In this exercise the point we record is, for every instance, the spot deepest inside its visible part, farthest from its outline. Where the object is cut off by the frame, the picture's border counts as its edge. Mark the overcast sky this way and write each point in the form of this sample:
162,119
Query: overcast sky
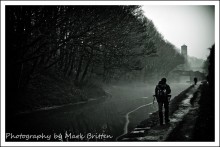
190,25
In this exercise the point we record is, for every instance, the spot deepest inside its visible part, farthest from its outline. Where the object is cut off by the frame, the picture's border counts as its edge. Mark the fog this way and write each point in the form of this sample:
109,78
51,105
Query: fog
124,108
193,25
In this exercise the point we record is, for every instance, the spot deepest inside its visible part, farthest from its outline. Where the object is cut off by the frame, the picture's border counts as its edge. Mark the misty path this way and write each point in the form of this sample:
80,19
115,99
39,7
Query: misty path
162,133
175,91
124,108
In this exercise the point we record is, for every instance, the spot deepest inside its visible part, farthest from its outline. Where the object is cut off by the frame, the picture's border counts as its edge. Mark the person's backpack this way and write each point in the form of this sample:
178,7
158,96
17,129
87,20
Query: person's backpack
161,92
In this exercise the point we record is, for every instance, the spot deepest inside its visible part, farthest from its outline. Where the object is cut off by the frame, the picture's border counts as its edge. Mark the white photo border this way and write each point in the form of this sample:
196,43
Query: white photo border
4,3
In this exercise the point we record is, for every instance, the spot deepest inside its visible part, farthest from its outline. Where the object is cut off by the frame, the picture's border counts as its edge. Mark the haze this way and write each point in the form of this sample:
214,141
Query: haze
190,25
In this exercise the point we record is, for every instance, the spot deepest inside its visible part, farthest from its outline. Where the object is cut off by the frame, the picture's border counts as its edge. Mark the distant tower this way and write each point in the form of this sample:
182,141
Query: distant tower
184,51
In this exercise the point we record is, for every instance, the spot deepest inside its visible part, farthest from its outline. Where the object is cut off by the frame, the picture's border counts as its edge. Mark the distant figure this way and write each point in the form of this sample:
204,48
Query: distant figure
195,81
162,92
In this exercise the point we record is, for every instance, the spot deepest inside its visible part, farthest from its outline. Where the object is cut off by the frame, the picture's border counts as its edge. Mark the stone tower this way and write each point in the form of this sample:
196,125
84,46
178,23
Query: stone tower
184,51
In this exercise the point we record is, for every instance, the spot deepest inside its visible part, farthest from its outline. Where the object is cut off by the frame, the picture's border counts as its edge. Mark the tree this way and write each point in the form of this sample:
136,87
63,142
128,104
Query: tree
74,40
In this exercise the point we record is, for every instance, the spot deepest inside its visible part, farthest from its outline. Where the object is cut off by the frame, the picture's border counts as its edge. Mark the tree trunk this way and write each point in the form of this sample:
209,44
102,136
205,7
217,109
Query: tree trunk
78,70
86,68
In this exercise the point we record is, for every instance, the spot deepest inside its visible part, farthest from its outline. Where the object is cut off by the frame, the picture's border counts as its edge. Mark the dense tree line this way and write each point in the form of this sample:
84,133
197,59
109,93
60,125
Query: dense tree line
166,58
161,62
76,40
82,42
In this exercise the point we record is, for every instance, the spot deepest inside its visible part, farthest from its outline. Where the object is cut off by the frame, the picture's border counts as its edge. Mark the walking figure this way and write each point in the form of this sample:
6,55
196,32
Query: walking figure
162,94
195,81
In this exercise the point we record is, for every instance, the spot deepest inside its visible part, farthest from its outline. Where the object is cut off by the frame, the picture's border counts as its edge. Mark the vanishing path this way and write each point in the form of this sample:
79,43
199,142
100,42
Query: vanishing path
160,133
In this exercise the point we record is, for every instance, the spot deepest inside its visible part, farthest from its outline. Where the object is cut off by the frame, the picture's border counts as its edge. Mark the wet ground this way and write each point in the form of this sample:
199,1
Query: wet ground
182,119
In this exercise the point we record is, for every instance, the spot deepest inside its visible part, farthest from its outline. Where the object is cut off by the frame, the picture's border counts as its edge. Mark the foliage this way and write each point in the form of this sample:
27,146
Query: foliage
75,39
81,43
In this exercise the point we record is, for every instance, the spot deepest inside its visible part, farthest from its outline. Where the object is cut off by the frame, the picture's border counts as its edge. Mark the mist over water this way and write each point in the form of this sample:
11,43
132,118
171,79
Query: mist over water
125,102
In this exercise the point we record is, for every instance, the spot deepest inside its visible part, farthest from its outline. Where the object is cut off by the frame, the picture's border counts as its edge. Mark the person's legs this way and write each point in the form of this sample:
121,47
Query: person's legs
166,107
160,106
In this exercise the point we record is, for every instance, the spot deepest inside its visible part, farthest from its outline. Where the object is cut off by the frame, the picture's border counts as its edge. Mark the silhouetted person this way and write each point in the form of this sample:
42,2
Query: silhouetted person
195,81
162,92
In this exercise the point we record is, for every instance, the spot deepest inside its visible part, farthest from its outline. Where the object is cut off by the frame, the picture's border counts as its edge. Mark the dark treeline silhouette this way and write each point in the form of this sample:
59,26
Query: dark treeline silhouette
168,58
81,43
205,125
211,68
